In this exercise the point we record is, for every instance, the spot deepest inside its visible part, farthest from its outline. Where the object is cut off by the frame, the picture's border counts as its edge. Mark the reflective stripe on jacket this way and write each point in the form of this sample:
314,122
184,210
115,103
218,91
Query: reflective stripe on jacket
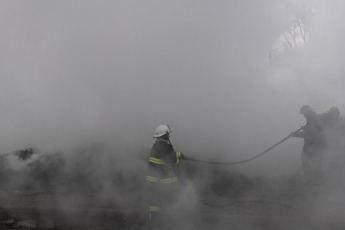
162,162
157,161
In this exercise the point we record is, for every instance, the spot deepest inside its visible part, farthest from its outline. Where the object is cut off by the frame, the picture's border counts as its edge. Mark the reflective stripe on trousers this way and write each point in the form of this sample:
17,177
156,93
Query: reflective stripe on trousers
155,208
162,181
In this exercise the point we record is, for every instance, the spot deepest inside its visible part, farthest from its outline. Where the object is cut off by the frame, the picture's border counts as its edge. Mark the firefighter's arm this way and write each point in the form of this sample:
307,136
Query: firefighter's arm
172,156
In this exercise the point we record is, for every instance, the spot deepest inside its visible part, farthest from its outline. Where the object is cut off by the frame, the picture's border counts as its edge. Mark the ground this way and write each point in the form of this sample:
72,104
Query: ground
44,193
235,202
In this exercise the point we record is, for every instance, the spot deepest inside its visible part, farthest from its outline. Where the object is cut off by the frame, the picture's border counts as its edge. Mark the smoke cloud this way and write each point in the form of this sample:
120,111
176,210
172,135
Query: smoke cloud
79,75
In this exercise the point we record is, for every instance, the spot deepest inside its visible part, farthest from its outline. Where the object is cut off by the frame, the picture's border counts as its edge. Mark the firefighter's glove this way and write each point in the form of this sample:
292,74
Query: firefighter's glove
183,157
293,134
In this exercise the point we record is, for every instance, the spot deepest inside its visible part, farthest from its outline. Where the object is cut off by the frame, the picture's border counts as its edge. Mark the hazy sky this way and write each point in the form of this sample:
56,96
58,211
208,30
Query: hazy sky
114,70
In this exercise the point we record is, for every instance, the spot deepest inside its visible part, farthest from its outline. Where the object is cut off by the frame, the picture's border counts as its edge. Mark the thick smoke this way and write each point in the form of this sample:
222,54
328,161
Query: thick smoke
88,82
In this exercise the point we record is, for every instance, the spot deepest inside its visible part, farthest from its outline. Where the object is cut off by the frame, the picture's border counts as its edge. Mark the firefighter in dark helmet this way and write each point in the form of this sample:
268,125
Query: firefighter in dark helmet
314,144
163,177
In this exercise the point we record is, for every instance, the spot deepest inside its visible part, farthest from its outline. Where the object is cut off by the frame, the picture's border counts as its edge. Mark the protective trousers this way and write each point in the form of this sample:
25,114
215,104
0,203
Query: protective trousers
161,192
312,165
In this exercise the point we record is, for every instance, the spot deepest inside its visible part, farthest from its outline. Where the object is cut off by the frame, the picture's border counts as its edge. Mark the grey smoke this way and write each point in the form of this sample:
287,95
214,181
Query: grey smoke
84,72
113,71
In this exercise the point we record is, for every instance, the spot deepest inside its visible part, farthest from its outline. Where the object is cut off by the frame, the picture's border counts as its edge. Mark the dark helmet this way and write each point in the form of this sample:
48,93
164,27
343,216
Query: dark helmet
306,109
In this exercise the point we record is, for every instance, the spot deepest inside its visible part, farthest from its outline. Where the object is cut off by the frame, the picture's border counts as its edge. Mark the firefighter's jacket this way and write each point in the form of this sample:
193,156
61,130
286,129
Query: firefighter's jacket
163,162
313,133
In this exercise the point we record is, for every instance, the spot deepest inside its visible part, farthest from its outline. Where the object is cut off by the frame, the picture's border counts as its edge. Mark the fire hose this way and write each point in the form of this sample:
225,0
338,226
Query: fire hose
247,160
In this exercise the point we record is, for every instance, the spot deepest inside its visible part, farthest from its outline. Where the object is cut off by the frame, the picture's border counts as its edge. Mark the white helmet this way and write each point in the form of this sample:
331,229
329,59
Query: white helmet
162,130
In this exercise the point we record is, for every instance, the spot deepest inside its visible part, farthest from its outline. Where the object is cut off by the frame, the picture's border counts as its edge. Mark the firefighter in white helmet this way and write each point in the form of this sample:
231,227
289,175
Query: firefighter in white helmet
162,178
